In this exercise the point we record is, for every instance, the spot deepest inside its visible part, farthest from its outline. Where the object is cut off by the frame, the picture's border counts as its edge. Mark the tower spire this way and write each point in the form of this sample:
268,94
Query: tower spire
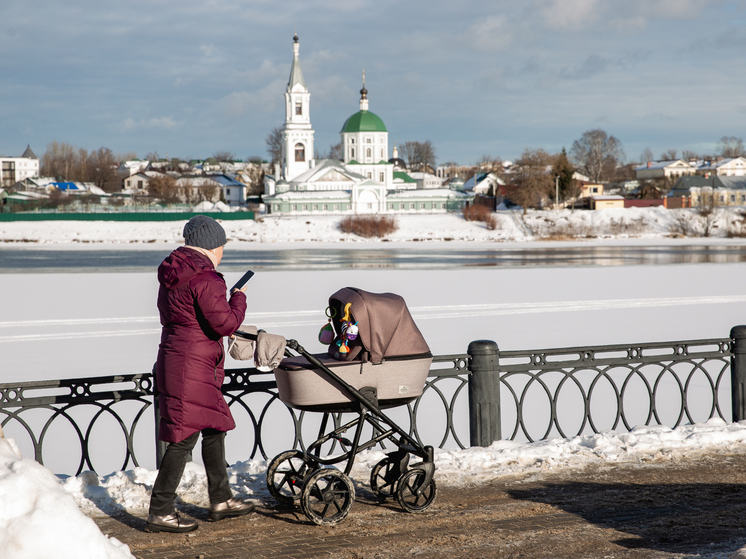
363,96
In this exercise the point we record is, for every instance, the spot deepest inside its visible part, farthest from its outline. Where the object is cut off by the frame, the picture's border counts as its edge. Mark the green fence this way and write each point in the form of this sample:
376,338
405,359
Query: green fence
121,216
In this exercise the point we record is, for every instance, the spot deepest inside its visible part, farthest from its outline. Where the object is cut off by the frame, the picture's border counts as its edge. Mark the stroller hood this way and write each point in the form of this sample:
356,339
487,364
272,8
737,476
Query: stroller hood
386,327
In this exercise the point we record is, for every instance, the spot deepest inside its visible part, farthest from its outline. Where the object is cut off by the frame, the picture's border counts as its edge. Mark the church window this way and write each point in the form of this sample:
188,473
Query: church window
381,153
369,175
369,154
391,206
380,177
370,205
305,207
368,141
352,153
300,152
352,140
411,205
326,207
298,108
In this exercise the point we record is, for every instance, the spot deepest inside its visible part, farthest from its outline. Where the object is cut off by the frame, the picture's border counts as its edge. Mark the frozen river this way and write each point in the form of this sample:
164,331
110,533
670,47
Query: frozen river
40,260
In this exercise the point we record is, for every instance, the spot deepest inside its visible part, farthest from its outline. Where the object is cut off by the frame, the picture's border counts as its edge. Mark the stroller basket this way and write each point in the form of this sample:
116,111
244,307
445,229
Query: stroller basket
390,355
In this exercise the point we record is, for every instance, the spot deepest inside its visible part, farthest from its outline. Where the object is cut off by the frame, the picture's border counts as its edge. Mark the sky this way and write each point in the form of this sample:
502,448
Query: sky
478,77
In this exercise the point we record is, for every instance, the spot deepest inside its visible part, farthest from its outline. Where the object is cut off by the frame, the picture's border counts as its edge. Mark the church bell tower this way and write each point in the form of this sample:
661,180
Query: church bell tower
297,134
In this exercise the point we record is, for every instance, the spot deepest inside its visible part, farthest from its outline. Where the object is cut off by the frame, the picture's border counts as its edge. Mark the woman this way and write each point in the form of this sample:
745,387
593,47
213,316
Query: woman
189,373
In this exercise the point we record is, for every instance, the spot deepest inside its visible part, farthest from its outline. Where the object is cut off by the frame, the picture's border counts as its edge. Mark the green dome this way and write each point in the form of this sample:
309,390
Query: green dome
364,121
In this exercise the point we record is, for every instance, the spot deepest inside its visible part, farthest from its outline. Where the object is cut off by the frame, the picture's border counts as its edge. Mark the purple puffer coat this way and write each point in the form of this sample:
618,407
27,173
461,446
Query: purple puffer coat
195,316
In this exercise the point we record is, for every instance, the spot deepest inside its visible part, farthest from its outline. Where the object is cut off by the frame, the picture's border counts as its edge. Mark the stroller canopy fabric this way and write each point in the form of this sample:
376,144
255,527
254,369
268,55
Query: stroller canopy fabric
386,327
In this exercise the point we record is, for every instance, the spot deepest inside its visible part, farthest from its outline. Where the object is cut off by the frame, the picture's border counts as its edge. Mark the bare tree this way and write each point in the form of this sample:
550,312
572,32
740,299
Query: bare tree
223,156
707,211
208,190
163,188
335,151
669,155
646,155
688,155
274,145
731,146
597,154
489,164
103,169
532,179
419,155
58,161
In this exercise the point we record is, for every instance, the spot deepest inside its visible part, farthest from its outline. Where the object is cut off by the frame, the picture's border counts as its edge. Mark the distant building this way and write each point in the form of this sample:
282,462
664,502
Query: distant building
664,169
16,169
364,181
732,167
716,190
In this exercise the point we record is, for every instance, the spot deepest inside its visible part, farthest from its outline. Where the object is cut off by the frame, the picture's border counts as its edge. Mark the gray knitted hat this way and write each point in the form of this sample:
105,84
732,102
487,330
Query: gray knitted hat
203,231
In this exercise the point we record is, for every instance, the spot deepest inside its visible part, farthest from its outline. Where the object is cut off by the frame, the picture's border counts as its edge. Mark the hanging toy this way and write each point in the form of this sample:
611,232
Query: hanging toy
326,334
343,331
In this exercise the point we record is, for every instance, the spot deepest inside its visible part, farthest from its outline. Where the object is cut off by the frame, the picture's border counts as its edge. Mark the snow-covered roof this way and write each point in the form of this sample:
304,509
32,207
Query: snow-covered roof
310,194
322,167
428,193
663,164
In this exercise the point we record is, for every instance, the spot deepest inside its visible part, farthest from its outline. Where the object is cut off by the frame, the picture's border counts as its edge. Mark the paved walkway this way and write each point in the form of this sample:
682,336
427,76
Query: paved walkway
663,509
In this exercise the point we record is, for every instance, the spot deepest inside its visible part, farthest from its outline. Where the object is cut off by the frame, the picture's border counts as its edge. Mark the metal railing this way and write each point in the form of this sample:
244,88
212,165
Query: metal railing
468,400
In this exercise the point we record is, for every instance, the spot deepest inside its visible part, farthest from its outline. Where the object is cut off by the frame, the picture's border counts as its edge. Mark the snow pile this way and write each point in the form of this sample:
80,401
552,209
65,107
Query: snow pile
644,223
130,491
39,519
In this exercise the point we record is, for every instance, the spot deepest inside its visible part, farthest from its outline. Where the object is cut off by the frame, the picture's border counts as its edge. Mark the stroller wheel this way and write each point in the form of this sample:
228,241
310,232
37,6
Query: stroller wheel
383,478
286,473
327,497
411,495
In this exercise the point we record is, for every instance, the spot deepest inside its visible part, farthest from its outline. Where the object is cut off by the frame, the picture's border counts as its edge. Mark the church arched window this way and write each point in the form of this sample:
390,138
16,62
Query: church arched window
352,153
368,153
300,152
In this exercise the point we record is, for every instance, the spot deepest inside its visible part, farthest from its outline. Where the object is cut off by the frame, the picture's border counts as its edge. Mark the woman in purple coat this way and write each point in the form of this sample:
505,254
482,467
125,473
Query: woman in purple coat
195,316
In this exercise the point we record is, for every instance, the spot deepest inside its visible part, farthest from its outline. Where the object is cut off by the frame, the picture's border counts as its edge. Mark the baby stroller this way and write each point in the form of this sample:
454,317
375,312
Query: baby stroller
385,366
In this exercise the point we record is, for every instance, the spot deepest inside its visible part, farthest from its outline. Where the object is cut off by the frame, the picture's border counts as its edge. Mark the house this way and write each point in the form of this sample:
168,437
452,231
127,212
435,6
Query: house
232,190
426,180
15,169
137,183
717,190
133,166
731,167
483,183
606,201
664,169
588,189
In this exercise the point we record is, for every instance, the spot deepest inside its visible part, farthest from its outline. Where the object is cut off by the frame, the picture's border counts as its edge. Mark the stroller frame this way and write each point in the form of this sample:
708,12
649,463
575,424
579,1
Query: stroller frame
326,494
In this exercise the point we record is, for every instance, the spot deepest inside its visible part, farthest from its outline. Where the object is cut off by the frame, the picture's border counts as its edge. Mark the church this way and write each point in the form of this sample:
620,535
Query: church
364,181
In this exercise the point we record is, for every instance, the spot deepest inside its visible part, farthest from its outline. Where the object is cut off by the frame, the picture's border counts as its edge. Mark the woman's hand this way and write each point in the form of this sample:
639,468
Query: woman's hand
242,290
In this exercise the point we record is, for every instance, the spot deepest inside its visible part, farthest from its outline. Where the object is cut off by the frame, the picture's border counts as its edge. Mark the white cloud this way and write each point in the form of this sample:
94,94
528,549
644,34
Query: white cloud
240,103
491,33
568,14
161,123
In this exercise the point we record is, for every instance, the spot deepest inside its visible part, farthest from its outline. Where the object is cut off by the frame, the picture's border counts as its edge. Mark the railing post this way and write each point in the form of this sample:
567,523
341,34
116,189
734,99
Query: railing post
160,446
484,393
738,373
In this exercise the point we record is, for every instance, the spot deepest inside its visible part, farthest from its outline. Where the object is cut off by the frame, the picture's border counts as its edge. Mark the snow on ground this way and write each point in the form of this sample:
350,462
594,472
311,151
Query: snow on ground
643,223
40,519
38,512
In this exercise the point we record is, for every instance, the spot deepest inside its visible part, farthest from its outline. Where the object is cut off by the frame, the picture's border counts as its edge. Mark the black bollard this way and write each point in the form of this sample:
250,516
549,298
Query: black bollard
484,393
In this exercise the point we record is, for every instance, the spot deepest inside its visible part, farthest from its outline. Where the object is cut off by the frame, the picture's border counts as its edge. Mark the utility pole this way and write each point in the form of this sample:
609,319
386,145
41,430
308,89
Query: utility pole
556,193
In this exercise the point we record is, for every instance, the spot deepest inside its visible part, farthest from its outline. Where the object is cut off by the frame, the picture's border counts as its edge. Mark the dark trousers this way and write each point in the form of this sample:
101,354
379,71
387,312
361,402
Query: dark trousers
172,468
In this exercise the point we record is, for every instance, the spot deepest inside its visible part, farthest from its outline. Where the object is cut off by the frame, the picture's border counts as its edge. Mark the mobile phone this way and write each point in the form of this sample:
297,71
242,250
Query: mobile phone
244,279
